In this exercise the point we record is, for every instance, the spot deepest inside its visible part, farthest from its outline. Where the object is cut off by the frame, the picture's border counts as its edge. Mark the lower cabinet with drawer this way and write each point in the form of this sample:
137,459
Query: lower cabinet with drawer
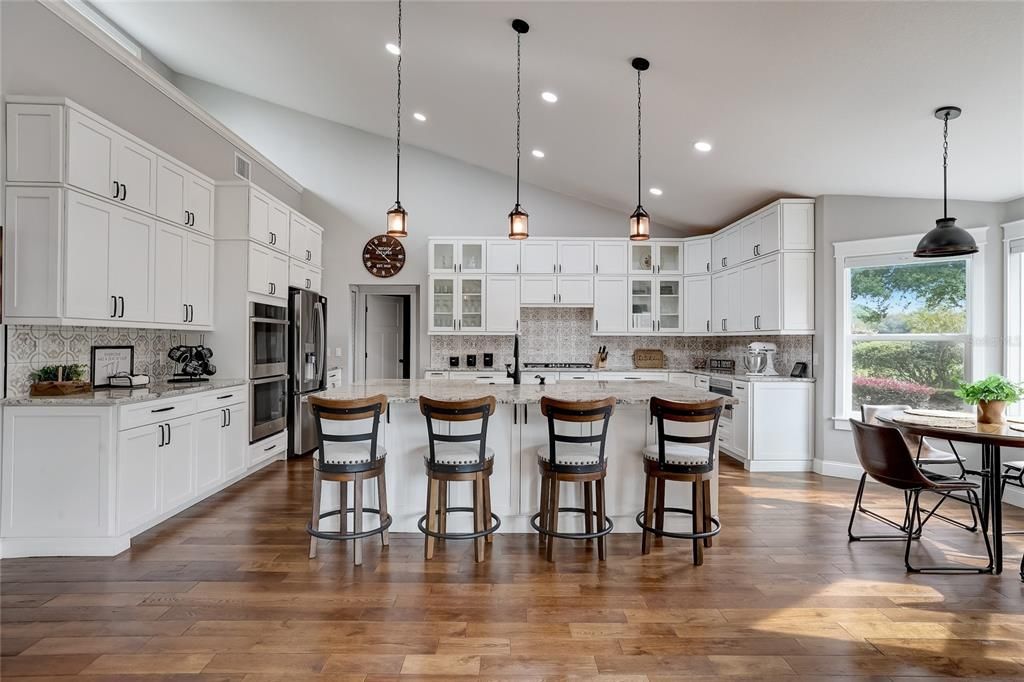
114,471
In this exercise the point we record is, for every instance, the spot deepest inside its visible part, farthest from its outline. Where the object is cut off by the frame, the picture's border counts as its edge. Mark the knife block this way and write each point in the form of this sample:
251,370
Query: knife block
600,363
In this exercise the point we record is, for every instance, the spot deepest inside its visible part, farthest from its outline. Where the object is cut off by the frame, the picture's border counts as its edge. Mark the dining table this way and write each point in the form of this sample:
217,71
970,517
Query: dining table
992,438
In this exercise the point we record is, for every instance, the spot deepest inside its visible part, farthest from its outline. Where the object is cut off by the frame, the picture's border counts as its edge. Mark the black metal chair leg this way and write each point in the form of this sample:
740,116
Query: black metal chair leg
915,522
858,508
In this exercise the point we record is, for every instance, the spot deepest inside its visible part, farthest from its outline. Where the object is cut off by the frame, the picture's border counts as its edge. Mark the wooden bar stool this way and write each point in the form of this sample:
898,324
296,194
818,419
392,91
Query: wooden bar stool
574,459
345,458
681,457
458,457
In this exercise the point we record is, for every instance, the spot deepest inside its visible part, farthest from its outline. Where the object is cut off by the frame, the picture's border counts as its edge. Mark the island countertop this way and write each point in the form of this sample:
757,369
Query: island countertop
401,391
104,397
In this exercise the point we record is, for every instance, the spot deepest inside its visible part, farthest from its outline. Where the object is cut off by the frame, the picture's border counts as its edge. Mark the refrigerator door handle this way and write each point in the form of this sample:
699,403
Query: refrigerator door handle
321,356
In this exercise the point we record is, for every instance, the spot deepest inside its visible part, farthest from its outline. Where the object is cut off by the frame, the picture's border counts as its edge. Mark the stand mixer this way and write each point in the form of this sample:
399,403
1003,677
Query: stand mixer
760,359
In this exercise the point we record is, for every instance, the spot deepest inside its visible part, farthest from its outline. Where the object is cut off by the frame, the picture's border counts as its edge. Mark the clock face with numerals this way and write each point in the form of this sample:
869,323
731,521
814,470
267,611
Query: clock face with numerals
383,256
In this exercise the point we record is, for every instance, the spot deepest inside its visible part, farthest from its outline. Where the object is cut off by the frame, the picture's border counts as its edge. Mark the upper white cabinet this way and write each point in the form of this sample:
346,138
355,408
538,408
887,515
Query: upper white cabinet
268,271
655,305
306,240
183,197
269,221
655,256
107,162
458,256
539,257
611,303
611,257
183,277
697,257
697,304
302,276
502,304
558,257
456,304
32,155
502,256
726,249
552,290
576,257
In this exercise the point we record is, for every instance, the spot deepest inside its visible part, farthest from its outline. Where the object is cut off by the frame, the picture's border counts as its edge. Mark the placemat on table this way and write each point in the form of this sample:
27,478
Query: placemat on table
1017,426
949,414
1015,420
937,422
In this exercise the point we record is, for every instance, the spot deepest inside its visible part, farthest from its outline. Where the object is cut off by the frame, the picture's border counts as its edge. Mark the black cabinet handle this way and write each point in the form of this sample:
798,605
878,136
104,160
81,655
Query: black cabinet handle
269,448
709,325
114,299
162,409
124,192
117,189
184,307
225,397
223,419
229,416
708,264
121,298
309,284
168,434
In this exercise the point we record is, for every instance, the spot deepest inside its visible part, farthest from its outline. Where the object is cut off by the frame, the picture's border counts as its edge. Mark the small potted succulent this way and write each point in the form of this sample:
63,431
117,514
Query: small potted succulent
57,380
991,396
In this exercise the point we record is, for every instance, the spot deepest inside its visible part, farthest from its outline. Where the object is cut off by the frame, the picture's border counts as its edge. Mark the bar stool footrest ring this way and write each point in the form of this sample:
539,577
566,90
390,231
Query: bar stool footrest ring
609,525
336,535
715,530
421,524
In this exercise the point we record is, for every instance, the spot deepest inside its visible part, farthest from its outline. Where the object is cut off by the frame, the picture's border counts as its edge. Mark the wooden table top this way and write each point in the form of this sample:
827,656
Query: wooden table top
993,434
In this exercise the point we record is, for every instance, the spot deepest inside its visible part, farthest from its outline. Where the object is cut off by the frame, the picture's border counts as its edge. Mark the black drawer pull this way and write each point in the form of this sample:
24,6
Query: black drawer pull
162,409
268,449
223,397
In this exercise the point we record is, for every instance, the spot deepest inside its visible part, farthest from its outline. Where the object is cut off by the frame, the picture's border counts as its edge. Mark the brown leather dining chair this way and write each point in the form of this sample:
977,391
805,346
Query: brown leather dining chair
885,457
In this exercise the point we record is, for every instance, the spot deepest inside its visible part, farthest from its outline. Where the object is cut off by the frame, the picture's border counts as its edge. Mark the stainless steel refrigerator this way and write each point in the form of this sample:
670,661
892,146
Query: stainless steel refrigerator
307,365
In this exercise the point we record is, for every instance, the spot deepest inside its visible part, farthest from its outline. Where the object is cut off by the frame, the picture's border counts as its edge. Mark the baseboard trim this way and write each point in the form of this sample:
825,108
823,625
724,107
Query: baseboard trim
837,469
11,548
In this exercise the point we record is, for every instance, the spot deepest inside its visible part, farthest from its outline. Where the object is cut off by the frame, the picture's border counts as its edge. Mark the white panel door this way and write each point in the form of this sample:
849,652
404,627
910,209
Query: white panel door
278,275
91,152
135,169
502,303
259,217
138,476
750,239
719,302
670,304
770,317
537,289
32,285
770,231
750,297
315,239
298,238
209,451
697,304
576,258
177,472
735,310
169,275
697,257
199,203
442,304
278,228
384,332
298,274
35,152
539,257
199,280
611,257
130,268
171,190
235,444
87,236
503,256
576,290
641,304
611,303
259,269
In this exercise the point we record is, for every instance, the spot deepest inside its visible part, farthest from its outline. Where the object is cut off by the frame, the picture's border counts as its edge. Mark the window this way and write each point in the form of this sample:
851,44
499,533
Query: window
905,325
1013,240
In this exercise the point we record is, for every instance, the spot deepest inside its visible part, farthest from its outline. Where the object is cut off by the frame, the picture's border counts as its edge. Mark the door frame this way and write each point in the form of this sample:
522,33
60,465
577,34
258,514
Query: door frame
357,332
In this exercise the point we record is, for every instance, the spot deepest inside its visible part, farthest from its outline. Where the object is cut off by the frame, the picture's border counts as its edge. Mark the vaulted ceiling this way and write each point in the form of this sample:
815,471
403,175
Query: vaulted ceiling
797,99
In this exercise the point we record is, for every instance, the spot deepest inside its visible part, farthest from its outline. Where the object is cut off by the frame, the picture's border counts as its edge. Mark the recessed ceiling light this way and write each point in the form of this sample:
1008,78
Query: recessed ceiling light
538,153
656,191
419,117
549,97
393,49
702,146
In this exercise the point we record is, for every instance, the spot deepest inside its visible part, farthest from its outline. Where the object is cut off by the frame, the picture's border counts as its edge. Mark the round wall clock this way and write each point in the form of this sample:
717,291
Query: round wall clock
383,256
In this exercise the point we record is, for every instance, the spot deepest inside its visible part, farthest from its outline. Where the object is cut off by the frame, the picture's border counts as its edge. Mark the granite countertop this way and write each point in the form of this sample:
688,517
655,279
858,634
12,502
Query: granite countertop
737,376
401,391
119,396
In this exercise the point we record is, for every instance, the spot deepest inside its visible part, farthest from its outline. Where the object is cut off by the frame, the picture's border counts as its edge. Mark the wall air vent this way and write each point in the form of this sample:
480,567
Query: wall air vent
243,167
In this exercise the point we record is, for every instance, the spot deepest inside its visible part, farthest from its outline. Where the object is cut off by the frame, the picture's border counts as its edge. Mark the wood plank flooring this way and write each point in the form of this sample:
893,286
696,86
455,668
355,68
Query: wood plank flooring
225,592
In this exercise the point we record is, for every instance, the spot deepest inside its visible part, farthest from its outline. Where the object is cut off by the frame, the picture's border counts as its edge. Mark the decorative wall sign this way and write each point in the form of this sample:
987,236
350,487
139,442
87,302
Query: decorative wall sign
106,361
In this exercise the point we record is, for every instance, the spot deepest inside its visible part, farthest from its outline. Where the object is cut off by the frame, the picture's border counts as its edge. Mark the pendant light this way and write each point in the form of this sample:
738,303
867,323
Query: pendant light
518,219
640,221
397,217
946,238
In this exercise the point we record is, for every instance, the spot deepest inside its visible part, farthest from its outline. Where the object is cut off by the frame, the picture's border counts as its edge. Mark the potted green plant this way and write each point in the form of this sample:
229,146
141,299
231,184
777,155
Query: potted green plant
991,396
57,380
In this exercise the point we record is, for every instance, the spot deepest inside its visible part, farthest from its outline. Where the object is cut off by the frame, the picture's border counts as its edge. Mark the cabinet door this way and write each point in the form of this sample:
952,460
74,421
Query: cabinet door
315,279
443,256
697,304
670,258
719,302
697,257
442,304
315,240
34,149
171,190
537,289
130,265
740,441
138,476
235,443
734,292
641,258
502,303
135,169
750,297
199,202
769,316
539,257
471,304
502,256
199,280
177,472
87,235
770,231
750,239
33,284
473,256
209,451
576,290
298,238
611,257
259,217
670,304
259,269
641,304
169,275
576,258
91,152
718,251
298,274
611,303
277,228
279,275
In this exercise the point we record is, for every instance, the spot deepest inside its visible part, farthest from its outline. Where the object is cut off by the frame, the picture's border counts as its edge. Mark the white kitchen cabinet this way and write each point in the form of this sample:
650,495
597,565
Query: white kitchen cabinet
458,256
32,155
443,304
697,304
268,271
268,220
568,257
641,305
697,256
108,163
199,285
302,276
177,465
33,272
130,267
576,257
538,289
770,231
726,301
550,290
611,304
682,378
655,305
669,309
575,291
471,304
502,303
611,257
655,257
234,440
539,257
457,304
138,476
633,376
199,203
772,427
726,248
740,440
135,170
305,240
169,274
209,460
183,197
502,256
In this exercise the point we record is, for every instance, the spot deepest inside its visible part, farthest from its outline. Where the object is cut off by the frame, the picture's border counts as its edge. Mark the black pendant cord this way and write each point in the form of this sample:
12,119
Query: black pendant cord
945,162
519,37
639,133
398,116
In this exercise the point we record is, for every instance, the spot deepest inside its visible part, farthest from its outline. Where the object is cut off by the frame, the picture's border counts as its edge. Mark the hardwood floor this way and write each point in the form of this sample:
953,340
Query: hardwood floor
225,592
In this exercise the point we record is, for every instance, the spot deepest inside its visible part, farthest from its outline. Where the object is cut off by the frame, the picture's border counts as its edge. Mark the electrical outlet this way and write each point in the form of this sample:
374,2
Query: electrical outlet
337,352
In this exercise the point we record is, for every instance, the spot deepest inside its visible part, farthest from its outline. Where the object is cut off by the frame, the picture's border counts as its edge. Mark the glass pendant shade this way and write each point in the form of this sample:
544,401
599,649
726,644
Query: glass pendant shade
639,225
946,239
518,223
397,219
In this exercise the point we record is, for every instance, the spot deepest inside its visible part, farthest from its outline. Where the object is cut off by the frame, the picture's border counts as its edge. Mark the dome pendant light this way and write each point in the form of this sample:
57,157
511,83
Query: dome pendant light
640,221
518,219
946,238
397,217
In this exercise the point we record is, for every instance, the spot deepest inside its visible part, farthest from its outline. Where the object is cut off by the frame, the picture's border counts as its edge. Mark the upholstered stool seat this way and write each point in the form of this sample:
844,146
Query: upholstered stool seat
456,454
678,454
571,454
348,453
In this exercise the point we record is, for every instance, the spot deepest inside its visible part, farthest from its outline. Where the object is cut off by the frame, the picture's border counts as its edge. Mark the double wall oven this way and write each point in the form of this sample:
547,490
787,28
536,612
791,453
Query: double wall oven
268,370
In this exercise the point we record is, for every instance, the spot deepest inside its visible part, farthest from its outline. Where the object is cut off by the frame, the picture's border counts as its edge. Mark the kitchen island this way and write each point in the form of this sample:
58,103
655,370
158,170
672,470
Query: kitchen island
515,432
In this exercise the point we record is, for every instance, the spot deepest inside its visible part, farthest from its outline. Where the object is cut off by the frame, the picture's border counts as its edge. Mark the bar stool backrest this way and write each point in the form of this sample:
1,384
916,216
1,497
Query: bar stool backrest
358,409
707,412
478,409
580,412
884,455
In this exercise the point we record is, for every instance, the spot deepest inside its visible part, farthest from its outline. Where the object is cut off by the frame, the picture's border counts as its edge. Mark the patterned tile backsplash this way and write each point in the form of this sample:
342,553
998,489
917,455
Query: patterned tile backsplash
32,347
563,335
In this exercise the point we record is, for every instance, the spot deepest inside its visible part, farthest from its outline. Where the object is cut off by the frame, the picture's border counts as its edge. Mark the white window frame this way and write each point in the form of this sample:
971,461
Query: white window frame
891,250
1013,327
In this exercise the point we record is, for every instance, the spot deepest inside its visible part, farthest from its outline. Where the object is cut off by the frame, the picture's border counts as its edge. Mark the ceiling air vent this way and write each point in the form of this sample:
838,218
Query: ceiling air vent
243,167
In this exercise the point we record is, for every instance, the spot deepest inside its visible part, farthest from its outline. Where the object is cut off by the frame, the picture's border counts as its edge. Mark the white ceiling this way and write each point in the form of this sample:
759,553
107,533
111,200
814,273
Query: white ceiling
797,98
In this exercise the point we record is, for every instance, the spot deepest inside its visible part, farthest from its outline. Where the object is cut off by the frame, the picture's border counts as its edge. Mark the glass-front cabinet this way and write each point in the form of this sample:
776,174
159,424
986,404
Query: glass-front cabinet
458,256
641,304
442,304
655,304
442,256
669,305
456,304
471,304
656,257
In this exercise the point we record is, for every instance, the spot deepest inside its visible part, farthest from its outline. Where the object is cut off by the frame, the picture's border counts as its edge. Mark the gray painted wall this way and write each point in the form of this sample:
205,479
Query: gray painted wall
1014,210
349,179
